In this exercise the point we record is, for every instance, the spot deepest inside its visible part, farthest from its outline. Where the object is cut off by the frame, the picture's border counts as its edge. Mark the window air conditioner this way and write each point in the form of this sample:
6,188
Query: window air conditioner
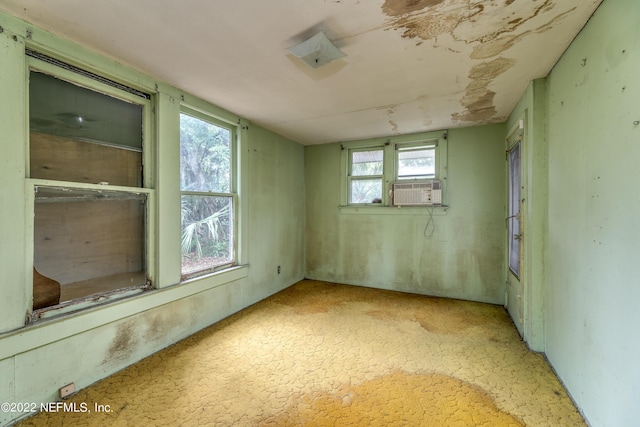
424,193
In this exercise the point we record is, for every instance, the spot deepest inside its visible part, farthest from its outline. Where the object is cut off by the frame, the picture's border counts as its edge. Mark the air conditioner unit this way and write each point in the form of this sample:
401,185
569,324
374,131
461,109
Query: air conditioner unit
423,193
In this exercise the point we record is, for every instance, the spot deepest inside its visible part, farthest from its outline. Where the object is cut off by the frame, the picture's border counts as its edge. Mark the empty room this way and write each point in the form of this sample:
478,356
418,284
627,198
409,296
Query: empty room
332,213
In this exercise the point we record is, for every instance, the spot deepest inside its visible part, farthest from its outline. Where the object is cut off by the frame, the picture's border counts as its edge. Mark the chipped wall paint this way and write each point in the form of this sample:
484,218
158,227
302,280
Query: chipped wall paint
464,257
592,289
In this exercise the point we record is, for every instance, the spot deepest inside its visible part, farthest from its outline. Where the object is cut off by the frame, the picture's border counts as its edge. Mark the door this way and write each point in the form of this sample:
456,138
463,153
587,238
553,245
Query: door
515,286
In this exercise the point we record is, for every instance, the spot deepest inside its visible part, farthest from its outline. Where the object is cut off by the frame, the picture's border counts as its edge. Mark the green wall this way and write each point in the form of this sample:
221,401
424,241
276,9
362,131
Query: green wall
592,285
385,247
582,127
88,345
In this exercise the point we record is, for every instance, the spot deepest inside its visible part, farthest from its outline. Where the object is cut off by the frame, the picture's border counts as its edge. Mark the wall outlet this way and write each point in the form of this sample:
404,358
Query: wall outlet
67,390
278,269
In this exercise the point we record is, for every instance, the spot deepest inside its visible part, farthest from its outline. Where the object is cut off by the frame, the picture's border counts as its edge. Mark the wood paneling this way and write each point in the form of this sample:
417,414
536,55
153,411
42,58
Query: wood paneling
46,291
64,159
75,241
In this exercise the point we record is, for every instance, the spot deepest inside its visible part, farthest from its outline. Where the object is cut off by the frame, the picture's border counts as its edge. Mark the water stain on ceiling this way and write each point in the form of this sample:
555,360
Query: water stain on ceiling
489,27
478,99
439,63
399,7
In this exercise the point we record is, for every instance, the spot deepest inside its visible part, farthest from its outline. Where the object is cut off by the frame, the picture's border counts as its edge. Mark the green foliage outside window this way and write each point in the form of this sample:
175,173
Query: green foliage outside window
207,203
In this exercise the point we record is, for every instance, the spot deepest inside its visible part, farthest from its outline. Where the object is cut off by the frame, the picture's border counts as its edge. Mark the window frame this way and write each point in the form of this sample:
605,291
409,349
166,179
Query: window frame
390,147
415,146
351,177
234,130
147,188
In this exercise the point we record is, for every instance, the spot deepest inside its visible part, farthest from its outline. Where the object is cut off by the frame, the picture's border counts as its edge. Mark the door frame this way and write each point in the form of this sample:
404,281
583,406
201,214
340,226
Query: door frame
516,285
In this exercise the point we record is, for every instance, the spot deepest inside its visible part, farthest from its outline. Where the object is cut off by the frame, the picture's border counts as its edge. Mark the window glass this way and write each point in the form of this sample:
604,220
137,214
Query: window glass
513,219
365,179
80,135
87,241
366,163
58,107
205,156
207,202
366,191
207,232
372,168
416,162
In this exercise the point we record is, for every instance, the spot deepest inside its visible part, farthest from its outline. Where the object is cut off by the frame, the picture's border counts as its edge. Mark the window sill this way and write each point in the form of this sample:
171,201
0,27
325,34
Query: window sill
46,331
393,210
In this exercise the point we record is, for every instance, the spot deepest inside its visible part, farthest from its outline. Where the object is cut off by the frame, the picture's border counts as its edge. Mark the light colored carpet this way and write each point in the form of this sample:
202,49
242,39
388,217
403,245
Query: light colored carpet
320,354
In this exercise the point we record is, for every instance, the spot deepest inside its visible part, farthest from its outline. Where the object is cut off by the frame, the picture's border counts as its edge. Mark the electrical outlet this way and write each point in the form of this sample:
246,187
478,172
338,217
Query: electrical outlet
67,390
278,269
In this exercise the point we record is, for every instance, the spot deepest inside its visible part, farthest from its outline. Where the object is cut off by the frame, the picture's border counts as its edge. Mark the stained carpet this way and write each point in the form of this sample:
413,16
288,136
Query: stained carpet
320,354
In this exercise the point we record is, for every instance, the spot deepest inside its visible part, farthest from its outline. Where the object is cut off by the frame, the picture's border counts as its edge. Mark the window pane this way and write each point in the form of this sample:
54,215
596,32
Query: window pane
366,163
205,156
207,232
514,210
417,163
80,135
88,242
57,107
366,191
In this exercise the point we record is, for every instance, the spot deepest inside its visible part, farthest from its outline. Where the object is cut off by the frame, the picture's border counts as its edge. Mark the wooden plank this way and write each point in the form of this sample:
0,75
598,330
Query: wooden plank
64,159
75,241
101,285
46,291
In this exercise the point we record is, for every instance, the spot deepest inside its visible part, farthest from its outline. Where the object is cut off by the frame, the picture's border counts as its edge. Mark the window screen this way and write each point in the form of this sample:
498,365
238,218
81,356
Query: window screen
365,180
416,162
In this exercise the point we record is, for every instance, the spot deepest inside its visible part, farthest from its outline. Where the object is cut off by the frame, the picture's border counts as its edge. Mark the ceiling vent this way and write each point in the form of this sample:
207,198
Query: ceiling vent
317,51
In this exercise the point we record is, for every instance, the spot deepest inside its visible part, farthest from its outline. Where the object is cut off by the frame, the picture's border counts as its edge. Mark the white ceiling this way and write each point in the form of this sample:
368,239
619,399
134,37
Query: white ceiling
411,65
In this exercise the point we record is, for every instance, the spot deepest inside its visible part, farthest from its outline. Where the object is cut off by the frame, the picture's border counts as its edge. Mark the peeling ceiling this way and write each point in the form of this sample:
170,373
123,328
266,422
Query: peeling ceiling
410,65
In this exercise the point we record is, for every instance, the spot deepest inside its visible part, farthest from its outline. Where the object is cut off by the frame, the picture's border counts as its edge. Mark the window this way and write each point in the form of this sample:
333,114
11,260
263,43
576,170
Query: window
90,204
416,161
371,166
208,200
365,177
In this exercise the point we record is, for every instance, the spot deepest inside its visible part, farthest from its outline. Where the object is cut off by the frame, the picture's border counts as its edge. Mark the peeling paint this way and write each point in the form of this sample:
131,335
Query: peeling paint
429,19
496,45
426,27
489,28
478,99
402,7
394,126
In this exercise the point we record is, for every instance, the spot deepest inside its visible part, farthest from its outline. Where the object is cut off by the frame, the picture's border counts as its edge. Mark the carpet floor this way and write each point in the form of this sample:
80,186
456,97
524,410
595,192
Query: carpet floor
321,354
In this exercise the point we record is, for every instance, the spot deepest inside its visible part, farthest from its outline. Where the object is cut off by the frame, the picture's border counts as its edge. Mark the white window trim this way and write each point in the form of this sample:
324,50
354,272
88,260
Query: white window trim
390,162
